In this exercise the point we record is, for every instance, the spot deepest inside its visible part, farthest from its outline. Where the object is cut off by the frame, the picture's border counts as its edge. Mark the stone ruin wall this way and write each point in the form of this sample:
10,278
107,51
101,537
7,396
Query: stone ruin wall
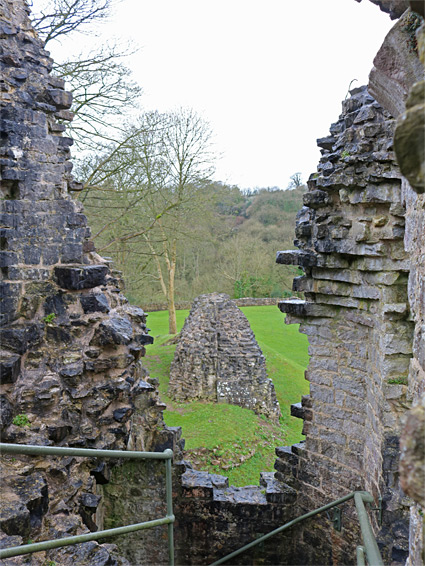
70,342
217,358
355,314
364,310
357,283
410,149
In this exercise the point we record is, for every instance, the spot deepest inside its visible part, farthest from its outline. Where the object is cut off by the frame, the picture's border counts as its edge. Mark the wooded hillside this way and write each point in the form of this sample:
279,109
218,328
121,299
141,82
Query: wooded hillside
226,241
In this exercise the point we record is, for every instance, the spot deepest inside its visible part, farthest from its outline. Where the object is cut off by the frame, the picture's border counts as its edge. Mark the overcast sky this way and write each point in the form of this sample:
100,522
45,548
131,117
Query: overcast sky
268,75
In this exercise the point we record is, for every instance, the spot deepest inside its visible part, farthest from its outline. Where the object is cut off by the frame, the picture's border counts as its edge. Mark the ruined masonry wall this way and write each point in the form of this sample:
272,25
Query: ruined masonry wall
70,342
356,316
217,358
410,149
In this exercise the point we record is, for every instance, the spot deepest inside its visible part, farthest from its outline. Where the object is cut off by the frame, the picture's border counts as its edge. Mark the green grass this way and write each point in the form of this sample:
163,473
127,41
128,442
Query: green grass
286,353
227,439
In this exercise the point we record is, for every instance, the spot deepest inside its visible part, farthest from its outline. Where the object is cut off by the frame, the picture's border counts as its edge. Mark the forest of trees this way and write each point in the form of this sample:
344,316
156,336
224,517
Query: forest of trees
225,242
148,187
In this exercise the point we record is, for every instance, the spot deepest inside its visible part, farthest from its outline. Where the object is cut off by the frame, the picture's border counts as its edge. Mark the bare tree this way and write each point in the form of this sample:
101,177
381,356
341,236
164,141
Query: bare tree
179,170
101,84
103,93
62,17
296,181
155,195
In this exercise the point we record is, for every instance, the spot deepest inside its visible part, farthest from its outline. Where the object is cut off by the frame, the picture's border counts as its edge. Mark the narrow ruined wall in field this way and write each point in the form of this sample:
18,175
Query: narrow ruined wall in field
218,359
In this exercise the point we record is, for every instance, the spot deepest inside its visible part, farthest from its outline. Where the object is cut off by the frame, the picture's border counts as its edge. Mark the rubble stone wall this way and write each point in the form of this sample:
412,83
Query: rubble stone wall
70,343
356,315
215,519
218,359
410,150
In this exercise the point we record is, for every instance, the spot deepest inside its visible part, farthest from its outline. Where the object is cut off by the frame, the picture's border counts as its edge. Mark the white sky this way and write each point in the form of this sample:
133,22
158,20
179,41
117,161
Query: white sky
268,75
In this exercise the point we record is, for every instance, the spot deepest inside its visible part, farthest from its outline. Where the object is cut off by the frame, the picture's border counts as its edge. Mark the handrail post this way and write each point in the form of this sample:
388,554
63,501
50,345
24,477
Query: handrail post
372,550
370,545
35,450
169,495
360,556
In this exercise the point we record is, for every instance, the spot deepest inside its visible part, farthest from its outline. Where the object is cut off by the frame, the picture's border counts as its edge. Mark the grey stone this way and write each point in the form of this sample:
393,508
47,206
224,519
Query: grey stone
6,411
218,359
77,278
10,367
116,330
94,303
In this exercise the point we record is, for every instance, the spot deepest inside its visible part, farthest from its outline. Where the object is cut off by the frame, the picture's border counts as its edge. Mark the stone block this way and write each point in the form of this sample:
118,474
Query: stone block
326,142
136,314
122,414
6,411
316,199
50,255
59,335
396,68
71,253
286,454
115,330
144,339
297,411
94,303
20,339
14,518
7,258
55,304
10,367
300,308
296,257
409,140
83,277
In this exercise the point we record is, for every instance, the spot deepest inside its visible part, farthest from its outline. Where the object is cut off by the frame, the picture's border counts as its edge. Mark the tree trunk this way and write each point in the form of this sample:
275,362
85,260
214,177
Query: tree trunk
171,266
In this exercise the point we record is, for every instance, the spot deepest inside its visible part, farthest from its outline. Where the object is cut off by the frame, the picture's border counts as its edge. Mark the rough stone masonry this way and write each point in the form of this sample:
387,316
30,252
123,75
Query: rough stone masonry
70,343
218,359
360,239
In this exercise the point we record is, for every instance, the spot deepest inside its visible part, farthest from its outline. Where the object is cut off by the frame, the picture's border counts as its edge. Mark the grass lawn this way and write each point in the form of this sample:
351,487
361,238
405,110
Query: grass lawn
227,439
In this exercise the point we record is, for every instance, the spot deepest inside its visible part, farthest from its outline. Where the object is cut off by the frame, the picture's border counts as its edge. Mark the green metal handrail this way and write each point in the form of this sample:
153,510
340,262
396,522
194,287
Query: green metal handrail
167,455
370,548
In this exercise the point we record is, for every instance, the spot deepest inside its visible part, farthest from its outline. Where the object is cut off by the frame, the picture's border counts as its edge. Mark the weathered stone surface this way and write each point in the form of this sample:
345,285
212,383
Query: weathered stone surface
94,303
10,367
412,467
410,154
297,257
83,277
409,139
396,66
217,358
358,326
6,411
116,330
